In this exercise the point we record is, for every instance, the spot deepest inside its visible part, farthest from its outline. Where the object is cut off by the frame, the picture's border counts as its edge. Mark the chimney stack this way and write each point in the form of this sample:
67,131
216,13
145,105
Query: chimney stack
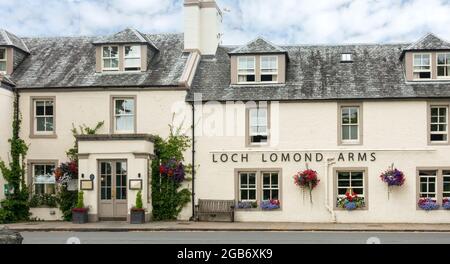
202,26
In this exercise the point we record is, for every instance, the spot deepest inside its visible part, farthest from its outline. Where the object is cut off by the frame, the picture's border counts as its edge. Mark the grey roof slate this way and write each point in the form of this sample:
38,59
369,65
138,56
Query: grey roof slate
9,39
70,63
259,45
127,36
429,42
316,73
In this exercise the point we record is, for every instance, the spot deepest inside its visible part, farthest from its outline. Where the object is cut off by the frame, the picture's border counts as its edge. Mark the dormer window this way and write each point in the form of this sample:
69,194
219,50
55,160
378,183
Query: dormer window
346,57
269,68
132,58
246,69
422,66
110,58
443,65
2,60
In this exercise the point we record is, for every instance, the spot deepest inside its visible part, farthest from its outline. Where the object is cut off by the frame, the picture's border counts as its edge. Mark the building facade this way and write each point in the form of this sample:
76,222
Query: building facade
258,114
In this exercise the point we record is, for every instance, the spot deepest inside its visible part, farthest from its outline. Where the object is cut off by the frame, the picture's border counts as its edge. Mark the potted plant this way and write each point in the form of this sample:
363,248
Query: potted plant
138,212
80,213
428,204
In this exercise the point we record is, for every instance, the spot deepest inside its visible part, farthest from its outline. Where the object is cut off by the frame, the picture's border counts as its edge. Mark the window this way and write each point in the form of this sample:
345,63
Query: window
2,60
258,125
247,186
446,184
246,69
270,187
124,115
422,66
443,65
439,124
258,186
427,181
346,57
350,124
110,58
44,116
44,179
350,180
132,58
269,69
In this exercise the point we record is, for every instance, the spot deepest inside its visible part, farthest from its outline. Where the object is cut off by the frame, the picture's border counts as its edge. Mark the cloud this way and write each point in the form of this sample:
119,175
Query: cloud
281,21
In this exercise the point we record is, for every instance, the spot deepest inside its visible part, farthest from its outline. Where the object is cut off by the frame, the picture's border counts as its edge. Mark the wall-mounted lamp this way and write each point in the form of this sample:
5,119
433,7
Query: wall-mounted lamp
92,177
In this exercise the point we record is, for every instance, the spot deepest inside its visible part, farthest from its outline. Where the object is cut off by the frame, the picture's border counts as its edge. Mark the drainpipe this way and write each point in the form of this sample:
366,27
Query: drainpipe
193,162
329,207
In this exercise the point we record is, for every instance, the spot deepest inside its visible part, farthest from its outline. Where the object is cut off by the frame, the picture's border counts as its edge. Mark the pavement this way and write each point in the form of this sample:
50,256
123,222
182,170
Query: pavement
225,227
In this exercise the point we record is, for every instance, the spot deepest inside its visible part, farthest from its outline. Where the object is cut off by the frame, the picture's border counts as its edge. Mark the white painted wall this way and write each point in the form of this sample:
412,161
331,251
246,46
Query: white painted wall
6,117
395,130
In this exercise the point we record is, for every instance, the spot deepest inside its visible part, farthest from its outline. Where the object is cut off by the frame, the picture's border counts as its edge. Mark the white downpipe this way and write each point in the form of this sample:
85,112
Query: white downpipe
329,207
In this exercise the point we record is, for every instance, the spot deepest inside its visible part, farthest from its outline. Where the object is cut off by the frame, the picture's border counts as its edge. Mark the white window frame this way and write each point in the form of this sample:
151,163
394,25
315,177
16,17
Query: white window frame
239,73
346,57
45,184
274,72
248,188
431,132
358,125
111,58
422,65
251,126
444,175
447,55
131,57
116,116
271,187
427,193
5,60
350,172
45,116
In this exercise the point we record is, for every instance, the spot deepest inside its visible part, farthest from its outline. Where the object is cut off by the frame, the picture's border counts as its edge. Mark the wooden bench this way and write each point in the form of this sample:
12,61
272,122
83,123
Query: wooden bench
215,210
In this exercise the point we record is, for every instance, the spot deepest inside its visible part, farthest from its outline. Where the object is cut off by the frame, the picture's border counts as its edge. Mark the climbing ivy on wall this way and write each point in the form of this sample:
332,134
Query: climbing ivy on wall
168,173
15,207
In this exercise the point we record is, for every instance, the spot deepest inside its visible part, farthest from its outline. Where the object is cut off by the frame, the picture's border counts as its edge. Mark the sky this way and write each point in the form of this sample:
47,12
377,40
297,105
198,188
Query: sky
280,21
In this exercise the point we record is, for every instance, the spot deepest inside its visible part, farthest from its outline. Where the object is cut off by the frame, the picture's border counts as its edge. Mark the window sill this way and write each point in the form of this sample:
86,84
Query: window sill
338,209
258,210
43,136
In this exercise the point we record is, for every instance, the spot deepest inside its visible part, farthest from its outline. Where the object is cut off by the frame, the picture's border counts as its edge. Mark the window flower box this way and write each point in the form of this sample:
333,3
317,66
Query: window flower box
270,205
446,204
428,204
351,201
246,205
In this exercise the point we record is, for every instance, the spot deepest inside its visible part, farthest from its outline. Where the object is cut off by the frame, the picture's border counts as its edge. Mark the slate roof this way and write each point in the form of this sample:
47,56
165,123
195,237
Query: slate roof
316,73
429,42
127,36
259,45
70,63
11,40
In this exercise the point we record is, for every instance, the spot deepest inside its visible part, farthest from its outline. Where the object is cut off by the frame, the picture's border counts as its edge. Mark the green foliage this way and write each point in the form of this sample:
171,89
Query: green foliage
67,200
43,200
15,207
72,153
139,204
80,200
168,196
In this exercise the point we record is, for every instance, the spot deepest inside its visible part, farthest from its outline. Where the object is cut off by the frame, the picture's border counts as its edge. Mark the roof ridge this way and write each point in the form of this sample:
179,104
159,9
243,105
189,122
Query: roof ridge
6,36
239,48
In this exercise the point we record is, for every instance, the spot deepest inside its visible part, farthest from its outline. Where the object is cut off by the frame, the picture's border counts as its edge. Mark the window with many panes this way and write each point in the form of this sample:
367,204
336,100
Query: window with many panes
270,186
44,179
269,68
422,66
446,184
44,116
427,181
246,69
439,124
443,65
247,187
124,115
2,60
350,124
132,59
259,124
110,58
350,180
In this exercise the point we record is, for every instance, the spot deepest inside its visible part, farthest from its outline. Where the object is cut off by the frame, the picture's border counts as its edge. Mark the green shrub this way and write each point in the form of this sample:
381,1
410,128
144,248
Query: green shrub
67,200
40,200
80,202
139,204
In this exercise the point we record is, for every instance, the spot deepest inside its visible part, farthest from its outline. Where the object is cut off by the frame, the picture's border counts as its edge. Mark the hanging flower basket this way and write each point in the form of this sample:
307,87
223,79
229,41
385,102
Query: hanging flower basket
174,170
351,201
307,179
428,204
446,204
393,177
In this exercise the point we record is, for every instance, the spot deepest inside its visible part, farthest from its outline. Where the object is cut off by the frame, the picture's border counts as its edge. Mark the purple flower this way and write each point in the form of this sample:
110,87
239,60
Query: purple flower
428,204
270,205
393,177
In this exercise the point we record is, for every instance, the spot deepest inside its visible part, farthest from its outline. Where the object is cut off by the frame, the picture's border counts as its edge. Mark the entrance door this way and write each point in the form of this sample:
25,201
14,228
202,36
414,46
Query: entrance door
113,190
